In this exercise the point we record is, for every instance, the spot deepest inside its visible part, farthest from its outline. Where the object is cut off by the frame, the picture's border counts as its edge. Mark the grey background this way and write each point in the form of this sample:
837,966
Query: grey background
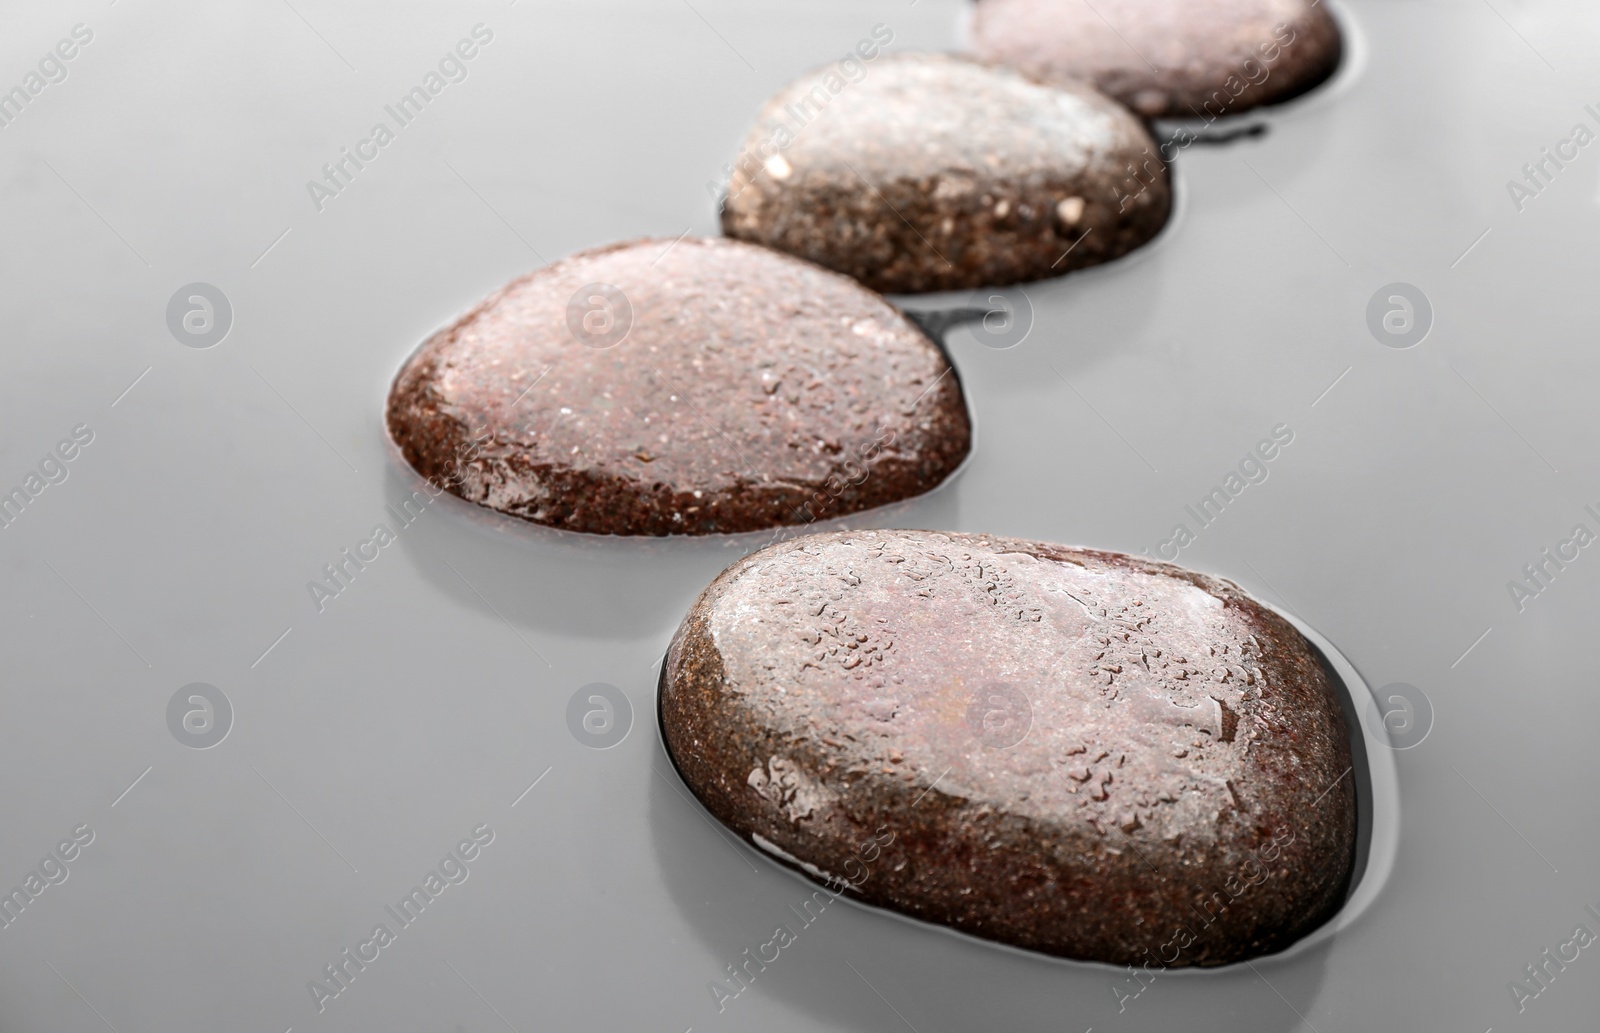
373,736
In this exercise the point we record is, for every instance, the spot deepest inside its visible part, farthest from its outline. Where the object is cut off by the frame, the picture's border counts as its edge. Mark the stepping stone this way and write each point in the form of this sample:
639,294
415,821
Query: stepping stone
1167,58
1082,753
937,173
689,387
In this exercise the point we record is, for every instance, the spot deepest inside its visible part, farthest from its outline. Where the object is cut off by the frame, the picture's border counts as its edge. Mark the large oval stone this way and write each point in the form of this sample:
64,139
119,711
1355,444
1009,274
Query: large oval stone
689,387
1167,58
937,173
1081,753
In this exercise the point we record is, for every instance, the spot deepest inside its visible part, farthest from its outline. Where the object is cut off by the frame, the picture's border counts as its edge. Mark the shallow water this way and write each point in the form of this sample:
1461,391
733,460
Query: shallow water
431,695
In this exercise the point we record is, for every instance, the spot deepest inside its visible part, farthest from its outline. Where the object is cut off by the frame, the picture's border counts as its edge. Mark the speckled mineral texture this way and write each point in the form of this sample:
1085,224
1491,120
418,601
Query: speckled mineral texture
1172,58
748,390
1080,753
937,173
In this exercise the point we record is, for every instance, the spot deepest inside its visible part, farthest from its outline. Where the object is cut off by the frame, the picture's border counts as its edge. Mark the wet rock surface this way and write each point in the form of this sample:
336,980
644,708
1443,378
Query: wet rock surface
935,172
1167,58
1080,753
696,387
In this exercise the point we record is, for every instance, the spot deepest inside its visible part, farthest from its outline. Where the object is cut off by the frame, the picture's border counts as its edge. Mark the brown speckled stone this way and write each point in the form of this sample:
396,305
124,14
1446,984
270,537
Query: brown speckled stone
751,390
1081,753
937,173
1167,58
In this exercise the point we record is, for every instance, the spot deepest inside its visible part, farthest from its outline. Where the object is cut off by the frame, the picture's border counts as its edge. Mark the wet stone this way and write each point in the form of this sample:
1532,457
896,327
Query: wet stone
937,173
1167,58
1080,753
697,387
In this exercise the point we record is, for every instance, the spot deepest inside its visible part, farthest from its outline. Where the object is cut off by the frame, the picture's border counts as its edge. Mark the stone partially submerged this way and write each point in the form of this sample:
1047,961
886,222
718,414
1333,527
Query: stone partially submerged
1167,58
680,387
938,173
1080,753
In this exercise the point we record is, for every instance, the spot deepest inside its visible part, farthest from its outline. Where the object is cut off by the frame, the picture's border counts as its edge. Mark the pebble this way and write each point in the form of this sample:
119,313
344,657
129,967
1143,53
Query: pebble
697,386
938,173
1082,753
1167,58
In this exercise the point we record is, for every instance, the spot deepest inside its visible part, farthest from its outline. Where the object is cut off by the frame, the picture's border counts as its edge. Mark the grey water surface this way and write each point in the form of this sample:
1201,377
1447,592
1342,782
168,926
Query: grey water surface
417,729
